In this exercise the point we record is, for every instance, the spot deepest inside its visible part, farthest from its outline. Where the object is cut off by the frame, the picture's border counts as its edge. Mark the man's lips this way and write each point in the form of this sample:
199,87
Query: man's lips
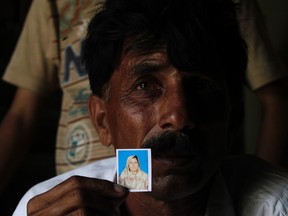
178,163
175,151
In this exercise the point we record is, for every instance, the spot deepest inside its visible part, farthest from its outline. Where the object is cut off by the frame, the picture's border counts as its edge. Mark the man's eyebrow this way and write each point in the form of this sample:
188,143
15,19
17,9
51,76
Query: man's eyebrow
145,68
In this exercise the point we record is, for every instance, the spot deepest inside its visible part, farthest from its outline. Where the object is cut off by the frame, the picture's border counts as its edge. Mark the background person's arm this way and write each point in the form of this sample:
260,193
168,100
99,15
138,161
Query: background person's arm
16,132
273,137
266,75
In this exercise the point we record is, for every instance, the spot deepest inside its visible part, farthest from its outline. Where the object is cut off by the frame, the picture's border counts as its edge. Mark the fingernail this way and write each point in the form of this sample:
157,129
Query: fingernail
118,188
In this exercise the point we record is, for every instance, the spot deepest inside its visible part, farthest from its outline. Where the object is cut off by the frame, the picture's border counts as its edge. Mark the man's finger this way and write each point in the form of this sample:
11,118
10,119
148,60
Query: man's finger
80,200
76,189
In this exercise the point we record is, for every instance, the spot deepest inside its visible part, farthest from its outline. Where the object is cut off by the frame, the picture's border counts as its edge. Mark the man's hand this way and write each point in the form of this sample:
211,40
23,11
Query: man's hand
79,196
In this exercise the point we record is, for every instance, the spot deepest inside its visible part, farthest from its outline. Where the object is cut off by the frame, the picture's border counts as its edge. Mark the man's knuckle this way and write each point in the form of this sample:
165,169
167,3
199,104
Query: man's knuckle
34,203
75,181
78,182
101,185
80,212
77,196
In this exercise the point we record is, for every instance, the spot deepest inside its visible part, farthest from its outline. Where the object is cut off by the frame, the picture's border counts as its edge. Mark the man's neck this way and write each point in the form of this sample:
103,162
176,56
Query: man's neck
144,204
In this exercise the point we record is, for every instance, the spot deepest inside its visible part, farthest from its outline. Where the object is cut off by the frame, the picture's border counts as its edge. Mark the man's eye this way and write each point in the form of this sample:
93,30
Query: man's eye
200,85
147,85
147,88
141,86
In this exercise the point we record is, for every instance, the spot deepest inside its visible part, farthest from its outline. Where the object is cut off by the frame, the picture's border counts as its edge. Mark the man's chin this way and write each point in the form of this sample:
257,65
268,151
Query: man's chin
178,177
173,187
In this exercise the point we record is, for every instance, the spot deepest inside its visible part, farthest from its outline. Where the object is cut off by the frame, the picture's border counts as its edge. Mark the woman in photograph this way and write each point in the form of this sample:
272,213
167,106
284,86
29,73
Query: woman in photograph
132,176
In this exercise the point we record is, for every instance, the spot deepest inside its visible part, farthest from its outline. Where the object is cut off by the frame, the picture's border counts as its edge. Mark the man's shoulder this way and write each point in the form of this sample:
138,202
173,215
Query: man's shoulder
256,186
251,167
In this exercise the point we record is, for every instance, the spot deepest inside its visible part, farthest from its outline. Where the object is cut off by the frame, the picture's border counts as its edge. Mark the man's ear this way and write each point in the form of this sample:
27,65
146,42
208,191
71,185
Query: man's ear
98,116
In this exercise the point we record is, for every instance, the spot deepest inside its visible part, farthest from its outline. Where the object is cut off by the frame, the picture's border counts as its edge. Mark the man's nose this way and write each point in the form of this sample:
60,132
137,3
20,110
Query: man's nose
173,111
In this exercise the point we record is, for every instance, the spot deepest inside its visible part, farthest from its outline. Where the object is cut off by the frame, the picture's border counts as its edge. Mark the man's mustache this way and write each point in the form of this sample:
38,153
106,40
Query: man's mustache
174,143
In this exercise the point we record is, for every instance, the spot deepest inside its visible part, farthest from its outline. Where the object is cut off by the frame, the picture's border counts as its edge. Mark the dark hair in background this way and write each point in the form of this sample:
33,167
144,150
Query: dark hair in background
197,35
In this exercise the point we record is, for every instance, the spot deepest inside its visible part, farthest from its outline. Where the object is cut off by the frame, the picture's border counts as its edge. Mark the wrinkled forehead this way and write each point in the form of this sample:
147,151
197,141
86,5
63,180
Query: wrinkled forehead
135,61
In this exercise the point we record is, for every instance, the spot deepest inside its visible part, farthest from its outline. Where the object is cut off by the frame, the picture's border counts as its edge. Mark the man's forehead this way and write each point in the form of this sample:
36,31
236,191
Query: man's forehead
142,59
132,63
135,64
134,58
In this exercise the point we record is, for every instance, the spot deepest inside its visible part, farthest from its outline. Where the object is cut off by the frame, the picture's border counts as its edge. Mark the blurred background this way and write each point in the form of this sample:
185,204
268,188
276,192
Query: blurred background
12,16
276,18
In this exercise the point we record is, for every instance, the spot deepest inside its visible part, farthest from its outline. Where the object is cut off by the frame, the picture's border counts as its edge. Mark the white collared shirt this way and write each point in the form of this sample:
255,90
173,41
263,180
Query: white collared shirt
268,197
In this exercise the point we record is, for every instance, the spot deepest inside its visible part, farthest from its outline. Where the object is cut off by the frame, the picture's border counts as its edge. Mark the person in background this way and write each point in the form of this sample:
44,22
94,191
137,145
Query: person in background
267,77
46,58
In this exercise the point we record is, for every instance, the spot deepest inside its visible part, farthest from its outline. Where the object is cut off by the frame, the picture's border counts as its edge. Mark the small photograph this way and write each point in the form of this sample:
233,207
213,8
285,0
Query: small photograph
134,169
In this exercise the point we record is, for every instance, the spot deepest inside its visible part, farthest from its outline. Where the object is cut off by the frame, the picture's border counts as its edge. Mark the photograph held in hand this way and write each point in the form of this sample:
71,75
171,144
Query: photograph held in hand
134,169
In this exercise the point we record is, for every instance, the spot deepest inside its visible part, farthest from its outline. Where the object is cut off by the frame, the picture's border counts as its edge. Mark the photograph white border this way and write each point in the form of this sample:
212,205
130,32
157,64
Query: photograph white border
149,167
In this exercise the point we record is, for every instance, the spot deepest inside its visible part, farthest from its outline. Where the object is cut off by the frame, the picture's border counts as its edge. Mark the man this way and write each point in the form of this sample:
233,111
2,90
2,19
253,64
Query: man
165,75
36,64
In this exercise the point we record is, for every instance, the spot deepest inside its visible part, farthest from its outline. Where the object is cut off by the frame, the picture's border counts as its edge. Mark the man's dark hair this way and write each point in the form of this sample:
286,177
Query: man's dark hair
198,35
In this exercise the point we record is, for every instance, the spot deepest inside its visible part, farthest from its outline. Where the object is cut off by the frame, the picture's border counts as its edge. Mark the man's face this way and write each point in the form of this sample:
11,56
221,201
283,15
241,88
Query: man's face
147,97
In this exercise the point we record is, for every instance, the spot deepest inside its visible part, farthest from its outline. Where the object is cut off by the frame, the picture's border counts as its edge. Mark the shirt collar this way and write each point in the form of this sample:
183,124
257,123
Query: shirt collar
219,202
